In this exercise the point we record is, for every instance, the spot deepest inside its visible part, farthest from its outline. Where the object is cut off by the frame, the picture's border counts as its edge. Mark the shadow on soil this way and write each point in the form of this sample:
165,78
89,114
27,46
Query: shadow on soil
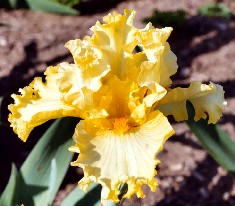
213,33
96,6
16,79
209,191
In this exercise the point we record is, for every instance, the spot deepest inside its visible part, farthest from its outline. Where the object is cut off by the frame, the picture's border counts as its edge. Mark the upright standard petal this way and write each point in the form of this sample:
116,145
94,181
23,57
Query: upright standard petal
90,62
206,99
113,152
161,64
112,46
112,37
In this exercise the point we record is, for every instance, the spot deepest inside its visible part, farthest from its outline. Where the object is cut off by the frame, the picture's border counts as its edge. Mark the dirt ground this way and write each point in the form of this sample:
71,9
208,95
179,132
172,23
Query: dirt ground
205,48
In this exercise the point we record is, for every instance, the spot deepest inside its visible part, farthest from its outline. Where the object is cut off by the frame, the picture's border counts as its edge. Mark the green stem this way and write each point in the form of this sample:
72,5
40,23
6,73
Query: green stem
123,188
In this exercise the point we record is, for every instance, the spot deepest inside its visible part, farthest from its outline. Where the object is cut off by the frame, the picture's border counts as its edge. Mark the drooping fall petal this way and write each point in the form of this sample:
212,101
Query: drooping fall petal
38,103
206,99
111,152
57,97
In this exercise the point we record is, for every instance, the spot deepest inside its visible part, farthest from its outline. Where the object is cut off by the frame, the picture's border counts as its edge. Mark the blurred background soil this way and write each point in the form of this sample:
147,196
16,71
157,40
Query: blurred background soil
205,47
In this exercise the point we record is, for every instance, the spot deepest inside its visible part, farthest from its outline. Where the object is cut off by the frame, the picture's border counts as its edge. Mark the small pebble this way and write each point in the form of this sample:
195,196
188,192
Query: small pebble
226,196
176,167
204,192
179,179
198,176
185,72
3,42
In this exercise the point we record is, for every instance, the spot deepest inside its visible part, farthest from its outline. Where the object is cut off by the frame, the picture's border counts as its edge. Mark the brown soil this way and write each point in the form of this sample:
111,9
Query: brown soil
205,48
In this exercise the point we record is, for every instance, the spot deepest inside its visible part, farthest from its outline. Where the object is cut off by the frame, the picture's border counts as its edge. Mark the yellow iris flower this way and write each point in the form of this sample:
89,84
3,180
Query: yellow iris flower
123,98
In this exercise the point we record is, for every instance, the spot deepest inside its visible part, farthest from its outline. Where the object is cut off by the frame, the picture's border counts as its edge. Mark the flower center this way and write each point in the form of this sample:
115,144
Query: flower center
120,125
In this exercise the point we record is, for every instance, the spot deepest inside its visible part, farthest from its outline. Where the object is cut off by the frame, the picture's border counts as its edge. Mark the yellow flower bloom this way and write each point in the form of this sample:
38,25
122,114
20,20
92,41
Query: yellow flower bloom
123,98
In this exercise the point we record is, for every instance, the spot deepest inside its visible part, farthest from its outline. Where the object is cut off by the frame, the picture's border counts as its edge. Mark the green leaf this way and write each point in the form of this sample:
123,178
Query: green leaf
216,141
111,203
13,3
69,3
92,197
8,196
78,197
44,169
162,19
50,153
51,6
214,9
17,4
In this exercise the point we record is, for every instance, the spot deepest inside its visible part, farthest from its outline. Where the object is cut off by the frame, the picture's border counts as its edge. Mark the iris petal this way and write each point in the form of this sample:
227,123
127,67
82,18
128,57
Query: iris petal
206,99
38,103
111,158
